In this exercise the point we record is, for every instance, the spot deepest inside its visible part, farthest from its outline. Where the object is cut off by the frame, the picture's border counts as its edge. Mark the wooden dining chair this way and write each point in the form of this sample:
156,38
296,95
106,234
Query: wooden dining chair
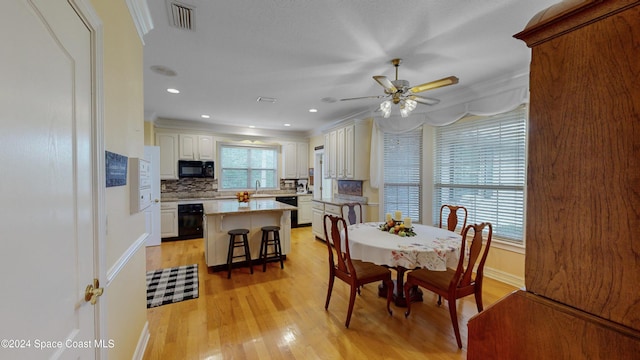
455,284
352,212
452,219
354,272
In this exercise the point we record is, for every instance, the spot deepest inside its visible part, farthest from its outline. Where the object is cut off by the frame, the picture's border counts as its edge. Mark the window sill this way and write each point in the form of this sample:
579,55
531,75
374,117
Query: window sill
507,245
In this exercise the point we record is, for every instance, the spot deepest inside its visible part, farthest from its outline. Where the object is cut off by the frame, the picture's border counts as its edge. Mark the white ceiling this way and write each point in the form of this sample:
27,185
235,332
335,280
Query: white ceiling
300,52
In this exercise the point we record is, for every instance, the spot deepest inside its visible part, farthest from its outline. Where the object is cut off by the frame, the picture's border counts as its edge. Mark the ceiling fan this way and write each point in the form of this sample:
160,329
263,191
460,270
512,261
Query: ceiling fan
400,93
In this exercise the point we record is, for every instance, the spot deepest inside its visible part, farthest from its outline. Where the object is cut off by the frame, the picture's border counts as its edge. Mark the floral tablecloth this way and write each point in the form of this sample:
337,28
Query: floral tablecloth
432,248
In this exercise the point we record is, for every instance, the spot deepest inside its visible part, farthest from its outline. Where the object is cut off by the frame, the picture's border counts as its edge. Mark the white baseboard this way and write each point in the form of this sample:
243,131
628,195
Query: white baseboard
142,342
504,277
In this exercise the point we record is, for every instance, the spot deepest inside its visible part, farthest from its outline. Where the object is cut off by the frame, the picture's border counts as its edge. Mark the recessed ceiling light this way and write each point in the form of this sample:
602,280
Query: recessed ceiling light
252,126
205,116
313,110
287,124
173,91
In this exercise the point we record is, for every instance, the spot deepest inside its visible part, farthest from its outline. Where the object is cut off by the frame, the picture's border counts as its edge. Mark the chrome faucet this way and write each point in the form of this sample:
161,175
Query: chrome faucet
258,184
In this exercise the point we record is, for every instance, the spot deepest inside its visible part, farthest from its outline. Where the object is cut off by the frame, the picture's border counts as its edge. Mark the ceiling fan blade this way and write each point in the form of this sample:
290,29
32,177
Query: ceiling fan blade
388,86
364,97
424,100
451,80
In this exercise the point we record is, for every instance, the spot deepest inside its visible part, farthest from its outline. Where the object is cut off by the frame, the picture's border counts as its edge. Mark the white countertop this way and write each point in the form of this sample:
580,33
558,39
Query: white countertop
337,201
220,207
195,200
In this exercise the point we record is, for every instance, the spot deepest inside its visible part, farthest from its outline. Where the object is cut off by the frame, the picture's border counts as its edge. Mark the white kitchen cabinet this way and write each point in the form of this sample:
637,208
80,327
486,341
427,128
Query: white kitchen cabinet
340,153
330,154
350,150
349,153
168,144
317,210
295,160
303,160
168,219
326,168
196,147
304,210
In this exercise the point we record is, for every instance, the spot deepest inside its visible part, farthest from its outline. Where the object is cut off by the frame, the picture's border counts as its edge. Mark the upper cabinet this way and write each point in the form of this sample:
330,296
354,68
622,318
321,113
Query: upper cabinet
329,168
174,147
295,160
348,150
196,147
168,144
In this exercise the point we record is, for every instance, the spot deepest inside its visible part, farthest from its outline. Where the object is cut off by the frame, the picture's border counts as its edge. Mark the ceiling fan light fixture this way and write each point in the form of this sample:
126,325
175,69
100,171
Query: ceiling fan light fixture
385,107
410,105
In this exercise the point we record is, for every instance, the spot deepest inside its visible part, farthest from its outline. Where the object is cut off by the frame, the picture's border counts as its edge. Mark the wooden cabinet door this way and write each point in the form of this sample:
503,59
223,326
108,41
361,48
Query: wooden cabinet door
289,161
169,221
302,156
168,144
188,147
206,148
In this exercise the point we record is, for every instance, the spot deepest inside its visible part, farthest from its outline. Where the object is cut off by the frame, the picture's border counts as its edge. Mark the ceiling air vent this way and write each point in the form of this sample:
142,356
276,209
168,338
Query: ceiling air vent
181,16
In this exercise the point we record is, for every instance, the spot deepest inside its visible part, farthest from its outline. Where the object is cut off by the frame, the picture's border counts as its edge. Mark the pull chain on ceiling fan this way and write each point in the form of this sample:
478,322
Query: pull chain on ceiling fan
403,95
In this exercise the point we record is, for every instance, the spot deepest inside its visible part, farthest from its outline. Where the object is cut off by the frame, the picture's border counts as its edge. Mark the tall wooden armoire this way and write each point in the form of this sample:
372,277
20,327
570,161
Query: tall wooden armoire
582,263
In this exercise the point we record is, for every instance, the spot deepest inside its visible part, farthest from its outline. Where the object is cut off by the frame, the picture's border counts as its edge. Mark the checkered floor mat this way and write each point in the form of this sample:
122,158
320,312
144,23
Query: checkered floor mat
170,285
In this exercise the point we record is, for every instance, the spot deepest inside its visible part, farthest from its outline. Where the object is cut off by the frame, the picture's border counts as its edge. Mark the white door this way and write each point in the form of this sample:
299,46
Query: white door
152,213
47,188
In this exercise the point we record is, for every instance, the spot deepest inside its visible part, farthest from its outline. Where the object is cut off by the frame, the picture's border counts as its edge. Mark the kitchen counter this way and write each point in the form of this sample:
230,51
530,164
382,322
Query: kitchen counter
188,198
220,216
332,206
218,207
340,200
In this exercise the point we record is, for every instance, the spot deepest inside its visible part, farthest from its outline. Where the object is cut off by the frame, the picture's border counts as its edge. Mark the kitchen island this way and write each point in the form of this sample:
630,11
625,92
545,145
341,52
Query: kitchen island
220,216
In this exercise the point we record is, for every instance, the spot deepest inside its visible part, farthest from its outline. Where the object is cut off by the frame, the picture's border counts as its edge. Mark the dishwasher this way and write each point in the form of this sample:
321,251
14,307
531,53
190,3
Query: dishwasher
190,221
290,200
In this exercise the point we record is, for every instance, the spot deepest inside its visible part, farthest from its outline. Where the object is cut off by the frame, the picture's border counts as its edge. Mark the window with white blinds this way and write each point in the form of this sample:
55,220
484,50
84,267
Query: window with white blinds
402,173
480,164
242,165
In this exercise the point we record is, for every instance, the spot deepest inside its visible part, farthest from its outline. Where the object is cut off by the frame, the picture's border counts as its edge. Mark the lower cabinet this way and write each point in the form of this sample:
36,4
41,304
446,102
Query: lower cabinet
317,213
319,209
304,210
168,219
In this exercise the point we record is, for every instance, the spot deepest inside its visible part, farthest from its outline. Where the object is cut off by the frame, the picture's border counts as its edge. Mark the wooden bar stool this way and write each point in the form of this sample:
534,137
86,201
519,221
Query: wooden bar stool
275,242
234,242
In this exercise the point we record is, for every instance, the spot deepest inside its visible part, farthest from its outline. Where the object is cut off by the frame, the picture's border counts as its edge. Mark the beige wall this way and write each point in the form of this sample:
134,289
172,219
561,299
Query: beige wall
149,134
123,134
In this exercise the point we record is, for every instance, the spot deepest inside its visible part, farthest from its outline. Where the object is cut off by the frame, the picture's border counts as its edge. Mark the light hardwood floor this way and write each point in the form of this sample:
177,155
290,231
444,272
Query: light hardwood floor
279,314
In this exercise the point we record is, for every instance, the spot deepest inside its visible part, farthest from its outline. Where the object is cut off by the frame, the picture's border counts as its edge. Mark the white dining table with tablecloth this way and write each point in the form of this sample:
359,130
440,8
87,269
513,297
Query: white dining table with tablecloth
431,247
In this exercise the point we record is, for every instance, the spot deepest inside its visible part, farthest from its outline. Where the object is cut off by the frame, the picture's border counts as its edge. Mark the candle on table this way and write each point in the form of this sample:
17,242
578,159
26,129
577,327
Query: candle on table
398,215
388,217
407,222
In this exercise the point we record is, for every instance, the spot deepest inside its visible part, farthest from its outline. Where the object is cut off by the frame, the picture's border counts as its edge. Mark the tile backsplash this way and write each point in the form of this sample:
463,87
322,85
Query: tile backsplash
186,185
208,188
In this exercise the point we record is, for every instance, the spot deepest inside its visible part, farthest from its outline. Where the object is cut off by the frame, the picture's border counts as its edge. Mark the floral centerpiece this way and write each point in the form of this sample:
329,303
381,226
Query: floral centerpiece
243,197
397,227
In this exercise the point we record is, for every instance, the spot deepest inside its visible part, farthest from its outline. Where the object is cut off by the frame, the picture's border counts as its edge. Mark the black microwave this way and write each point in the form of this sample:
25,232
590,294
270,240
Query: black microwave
195,169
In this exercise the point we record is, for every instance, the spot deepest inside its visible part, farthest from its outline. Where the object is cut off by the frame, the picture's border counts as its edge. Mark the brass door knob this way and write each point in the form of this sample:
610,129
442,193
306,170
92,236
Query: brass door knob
92,292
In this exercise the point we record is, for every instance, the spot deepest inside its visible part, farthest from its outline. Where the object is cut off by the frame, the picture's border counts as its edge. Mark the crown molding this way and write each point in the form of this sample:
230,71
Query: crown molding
141,16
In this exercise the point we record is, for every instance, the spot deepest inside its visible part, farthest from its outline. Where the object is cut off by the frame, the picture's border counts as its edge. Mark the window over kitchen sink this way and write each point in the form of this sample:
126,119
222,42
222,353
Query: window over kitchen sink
242,165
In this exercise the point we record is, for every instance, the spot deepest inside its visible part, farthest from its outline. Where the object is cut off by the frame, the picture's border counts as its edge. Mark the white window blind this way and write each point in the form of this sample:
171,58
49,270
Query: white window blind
242,165
402,173
480,164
